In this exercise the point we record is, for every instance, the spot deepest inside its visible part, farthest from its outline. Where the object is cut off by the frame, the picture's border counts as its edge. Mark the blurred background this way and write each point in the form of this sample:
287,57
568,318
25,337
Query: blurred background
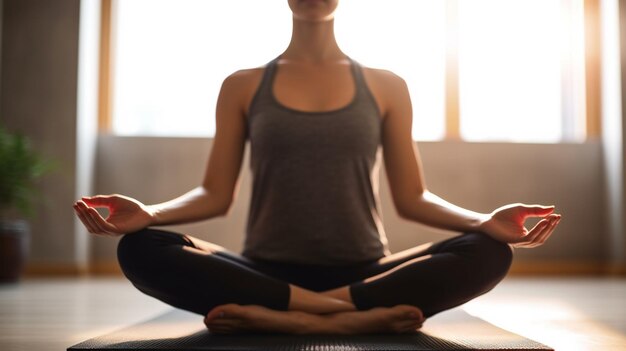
513,101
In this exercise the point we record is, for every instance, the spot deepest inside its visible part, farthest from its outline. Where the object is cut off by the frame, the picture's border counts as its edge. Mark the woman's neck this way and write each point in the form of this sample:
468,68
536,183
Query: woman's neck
313,42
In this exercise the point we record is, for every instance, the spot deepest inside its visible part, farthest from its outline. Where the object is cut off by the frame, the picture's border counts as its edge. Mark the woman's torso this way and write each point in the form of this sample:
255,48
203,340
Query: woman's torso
315,158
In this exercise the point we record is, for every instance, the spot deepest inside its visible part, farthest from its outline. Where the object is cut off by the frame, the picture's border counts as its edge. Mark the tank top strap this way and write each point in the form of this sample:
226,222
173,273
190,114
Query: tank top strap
364,94
355,67
264,92
357,73
268,75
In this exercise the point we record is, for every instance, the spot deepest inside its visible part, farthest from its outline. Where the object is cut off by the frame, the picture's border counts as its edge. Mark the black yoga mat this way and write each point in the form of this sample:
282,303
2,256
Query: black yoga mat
182,330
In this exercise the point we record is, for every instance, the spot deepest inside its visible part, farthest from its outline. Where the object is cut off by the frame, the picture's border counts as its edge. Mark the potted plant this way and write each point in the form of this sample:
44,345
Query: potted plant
20,167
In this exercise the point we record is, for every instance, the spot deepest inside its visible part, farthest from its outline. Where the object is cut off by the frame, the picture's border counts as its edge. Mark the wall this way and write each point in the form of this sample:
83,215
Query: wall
478,176
38,97
49,93
621,40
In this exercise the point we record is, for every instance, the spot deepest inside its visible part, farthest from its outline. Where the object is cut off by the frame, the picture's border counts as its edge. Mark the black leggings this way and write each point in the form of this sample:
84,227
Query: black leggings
195,275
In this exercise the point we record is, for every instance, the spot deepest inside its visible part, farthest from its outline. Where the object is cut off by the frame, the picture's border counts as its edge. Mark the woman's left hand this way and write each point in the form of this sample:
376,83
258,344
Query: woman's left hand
506,224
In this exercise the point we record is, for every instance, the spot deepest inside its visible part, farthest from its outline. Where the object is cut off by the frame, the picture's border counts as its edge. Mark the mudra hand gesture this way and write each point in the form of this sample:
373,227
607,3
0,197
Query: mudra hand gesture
506,224
125,214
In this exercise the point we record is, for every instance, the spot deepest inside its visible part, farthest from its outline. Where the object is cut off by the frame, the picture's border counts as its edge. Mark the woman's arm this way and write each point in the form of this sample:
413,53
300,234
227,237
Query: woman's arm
196,205
212,198
414,202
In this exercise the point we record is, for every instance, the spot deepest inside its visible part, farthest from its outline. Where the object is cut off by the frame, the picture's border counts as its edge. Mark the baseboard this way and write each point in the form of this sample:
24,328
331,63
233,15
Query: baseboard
38,269
106,268
617,269
66,269
566,268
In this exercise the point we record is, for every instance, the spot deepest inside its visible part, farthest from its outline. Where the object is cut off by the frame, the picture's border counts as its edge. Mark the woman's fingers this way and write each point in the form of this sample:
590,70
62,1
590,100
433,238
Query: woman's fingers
540,233
83,218
534,232
541,226
105,226
546,234
99,200
537,210
97,228
89,213
89,220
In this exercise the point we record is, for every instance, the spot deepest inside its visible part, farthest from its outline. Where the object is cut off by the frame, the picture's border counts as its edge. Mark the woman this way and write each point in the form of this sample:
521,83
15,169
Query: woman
315,258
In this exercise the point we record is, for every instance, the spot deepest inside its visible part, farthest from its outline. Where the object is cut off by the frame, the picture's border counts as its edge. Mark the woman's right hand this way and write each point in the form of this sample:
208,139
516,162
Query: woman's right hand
126,214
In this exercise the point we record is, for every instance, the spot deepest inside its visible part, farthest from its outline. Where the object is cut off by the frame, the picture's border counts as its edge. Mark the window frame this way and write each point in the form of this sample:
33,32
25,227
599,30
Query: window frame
105,88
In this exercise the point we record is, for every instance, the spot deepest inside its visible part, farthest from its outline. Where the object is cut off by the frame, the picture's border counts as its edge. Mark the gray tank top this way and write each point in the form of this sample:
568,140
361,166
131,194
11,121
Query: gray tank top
315,179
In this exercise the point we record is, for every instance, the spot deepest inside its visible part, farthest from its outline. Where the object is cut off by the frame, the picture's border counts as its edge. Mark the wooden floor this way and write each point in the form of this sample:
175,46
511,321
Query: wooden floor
566,314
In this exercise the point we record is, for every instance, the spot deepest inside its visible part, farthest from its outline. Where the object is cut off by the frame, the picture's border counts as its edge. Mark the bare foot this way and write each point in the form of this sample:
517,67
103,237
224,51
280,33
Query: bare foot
397,319
233,318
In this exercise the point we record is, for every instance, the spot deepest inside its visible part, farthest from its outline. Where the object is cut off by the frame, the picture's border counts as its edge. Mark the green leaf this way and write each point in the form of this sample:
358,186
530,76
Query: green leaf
21,166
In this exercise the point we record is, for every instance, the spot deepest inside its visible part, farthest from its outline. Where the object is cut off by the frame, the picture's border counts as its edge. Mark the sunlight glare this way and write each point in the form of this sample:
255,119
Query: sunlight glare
510,76
170,58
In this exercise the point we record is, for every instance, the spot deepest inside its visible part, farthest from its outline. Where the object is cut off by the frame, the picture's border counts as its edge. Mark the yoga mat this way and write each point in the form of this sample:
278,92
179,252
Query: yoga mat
182,330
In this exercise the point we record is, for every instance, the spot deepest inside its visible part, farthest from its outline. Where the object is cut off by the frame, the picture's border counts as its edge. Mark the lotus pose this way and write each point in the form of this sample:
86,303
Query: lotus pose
315,257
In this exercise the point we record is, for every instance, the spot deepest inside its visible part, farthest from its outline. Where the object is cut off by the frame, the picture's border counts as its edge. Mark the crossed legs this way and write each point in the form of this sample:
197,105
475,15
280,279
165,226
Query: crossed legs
393,294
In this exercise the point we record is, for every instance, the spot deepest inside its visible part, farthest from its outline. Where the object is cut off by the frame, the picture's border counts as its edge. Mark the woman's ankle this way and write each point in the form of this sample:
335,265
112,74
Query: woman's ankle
342,294
312,302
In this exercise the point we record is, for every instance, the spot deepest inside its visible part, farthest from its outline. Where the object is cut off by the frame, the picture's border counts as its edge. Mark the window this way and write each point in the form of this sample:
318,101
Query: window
518,62
171,56
518,69
408,38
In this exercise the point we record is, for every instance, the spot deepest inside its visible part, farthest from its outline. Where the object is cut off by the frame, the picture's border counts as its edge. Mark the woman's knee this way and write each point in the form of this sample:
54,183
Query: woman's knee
130,248
497,251
146,254
492,257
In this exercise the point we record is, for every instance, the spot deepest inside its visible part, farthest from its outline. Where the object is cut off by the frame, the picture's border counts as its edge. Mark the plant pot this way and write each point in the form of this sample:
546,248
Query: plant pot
14,245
